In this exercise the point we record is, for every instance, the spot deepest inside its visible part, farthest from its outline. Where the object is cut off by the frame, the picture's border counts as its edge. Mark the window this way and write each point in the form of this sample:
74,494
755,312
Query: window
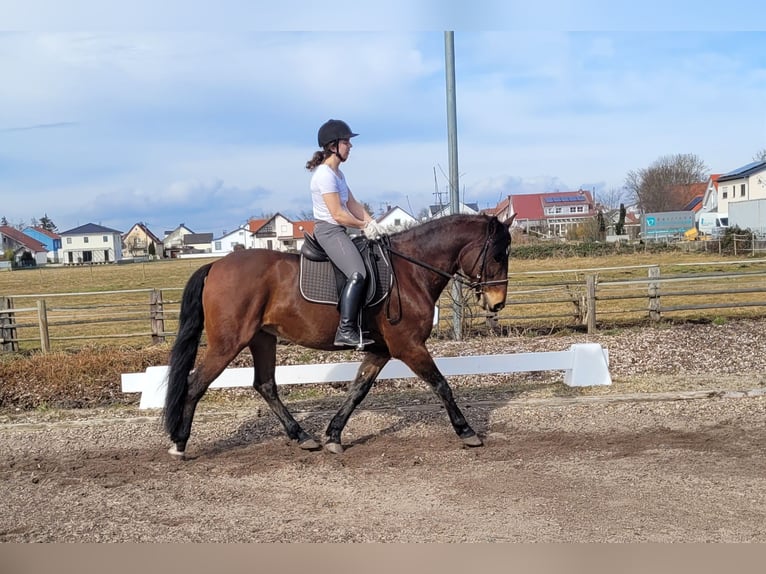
85,239
69,241
217,245
742,190
558,210
725,193
106,239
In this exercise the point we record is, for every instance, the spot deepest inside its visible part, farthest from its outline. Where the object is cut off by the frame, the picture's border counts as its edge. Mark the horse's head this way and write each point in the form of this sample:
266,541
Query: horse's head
485,263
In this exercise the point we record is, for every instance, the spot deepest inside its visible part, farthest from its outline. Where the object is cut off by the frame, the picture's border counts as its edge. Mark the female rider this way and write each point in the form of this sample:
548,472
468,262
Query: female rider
335,210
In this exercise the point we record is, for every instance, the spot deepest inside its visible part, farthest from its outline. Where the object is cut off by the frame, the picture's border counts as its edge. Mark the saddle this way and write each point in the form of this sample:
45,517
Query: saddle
322,282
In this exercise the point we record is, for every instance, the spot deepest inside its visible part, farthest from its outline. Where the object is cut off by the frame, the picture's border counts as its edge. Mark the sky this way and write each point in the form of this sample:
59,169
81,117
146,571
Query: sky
206,113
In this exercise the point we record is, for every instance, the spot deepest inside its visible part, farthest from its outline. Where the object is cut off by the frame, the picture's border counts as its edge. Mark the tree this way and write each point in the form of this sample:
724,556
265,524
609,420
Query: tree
152,249
3,220
47,223
619,228
760,155
612,198
652,187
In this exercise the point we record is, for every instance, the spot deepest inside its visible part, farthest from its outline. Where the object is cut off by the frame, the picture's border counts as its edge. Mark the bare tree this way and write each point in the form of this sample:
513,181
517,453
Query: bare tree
612,198
652,187
760,155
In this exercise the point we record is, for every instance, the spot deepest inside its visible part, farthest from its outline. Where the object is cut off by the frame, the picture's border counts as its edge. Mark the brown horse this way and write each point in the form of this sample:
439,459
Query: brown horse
251,297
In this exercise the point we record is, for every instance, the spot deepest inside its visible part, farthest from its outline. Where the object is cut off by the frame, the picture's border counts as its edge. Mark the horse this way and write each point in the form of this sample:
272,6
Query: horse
251,297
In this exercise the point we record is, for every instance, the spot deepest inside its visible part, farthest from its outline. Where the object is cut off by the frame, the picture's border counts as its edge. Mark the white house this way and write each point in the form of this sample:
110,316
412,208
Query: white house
275,232
435,211
396,219
91,243
239,238
173,241
742,184
710,199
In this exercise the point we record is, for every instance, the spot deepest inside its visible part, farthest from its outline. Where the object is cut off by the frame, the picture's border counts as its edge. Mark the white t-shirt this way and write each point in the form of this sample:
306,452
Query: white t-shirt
325,180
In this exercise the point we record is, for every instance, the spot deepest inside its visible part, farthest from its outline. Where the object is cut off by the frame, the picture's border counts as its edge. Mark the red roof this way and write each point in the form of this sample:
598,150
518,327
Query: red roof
531,205
301,227
255,224
23,239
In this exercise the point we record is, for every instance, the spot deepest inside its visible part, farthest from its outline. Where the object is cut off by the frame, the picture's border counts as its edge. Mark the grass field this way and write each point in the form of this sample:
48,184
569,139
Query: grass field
110,303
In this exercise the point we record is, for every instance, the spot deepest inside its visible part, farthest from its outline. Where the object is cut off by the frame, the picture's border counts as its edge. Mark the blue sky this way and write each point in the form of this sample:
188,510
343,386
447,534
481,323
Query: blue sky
176,112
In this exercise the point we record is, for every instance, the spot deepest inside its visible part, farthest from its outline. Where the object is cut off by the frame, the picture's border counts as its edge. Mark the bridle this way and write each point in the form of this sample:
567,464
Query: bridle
475,283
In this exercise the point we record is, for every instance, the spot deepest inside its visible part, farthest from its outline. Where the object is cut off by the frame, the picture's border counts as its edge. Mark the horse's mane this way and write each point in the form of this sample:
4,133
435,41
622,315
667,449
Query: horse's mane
426,228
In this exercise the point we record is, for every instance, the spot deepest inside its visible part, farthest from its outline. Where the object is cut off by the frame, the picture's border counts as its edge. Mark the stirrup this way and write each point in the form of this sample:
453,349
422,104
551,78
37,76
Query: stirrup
348,340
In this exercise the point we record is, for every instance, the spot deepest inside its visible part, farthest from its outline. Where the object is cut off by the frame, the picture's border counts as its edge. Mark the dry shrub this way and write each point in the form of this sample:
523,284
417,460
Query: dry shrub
87,377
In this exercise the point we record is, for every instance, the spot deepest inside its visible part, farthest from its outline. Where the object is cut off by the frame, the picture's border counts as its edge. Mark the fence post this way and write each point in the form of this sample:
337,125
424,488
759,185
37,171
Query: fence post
157,314
42,318
654,294
590,302
7,328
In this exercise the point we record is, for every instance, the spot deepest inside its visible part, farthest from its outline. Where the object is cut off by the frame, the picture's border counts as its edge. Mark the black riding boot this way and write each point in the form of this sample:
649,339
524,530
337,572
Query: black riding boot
349,332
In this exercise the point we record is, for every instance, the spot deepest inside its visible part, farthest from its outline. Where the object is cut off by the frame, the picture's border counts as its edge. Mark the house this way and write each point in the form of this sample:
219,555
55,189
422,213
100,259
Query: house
51,240
89,244
25,251
435,211
195,243
710,197
742,184
548,214
396,219
173,241
299,228
139,242
238,239
275,232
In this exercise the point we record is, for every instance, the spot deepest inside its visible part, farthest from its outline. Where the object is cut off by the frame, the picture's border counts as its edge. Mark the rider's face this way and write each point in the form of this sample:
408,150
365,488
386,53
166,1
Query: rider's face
344,147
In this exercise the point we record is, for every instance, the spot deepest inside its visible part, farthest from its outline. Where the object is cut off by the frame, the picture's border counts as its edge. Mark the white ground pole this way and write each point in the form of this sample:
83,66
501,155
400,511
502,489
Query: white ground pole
584,365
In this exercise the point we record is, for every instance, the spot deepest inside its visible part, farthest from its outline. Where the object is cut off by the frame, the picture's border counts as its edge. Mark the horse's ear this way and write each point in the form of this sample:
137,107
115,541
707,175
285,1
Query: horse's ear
508,221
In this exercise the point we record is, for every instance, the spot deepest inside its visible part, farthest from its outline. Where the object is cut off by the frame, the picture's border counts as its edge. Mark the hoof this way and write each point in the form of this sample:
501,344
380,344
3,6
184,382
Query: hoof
334,447
472,440
176,454
309,444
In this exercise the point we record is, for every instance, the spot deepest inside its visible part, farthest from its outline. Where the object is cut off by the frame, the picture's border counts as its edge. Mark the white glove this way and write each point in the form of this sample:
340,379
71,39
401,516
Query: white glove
373,230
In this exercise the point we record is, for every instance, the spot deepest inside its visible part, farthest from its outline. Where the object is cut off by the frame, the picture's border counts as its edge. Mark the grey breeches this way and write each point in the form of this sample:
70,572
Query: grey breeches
339,247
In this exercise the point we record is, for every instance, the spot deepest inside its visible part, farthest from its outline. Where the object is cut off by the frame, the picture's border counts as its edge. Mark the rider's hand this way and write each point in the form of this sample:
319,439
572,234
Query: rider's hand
373,230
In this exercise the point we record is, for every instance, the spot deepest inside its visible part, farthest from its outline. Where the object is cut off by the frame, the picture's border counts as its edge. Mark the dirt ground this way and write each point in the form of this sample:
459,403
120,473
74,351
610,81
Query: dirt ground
609,469
673,451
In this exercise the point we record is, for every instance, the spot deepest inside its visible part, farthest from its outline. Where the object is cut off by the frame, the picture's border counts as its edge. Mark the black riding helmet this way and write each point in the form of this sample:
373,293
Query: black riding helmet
334,130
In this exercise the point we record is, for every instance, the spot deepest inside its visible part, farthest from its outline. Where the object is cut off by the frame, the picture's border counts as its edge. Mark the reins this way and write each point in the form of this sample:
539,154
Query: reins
460,277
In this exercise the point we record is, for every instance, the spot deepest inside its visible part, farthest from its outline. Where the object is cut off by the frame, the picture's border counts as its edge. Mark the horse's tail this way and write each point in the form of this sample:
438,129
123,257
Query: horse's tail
184,352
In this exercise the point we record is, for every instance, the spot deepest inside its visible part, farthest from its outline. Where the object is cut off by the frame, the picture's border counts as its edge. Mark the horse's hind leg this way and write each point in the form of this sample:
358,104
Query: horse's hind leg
365,377
264,350
199,381
422,364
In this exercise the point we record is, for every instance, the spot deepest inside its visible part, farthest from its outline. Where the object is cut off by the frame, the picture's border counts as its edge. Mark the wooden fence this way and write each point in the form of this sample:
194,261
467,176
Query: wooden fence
590,299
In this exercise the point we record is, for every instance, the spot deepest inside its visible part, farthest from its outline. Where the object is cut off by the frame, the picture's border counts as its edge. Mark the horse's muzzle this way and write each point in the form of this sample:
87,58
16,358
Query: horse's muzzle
492,304
497,306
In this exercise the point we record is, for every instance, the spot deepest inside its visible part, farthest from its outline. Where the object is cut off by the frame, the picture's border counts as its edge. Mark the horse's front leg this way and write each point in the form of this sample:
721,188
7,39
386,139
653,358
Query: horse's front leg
361,385
422,364
264,350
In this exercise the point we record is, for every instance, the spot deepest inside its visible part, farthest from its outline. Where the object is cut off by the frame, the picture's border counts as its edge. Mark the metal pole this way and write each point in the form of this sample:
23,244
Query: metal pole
454,187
